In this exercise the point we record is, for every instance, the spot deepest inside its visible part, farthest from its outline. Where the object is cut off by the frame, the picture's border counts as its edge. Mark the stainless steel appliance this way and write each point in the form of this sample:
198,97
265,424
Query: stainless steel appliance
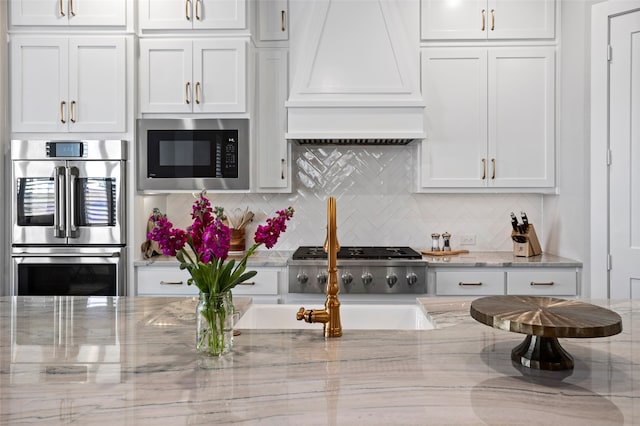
361,271
67,223
192,154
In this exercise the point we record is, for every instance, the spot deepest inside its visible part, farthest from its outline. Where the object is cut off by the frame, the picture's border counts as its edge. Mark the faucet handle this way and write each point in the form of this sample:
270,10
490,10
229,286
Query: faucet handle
300,314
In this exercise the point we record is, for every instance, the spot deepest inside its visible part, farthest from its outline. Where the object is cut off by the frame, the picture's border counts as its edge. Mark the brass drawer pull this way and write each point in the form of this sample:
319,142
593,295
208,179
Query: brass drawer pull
198,91
484,169
248,283
62,105
461,284
197,10
484,18
283,166
283,18
493,168
533,283
72,117
493,19
73,13
187,89
171,282
61,10
187,7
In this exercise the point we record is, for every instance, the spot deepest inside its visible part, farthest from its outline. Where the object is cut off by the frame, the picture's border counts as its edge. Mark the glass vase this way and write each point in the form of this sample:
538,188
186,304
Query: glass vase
214,322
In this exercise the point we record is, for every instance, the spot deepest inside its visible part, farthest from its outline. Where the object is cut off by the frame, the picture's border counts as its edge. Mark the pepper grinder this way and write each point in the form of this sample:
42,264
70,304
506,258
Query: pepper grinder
435,242
446,245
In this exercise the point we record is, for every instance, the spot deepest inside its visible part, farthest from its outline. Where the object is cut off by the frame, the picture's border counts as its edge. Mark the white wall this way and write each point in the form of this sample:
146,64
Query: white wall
566,216
3,141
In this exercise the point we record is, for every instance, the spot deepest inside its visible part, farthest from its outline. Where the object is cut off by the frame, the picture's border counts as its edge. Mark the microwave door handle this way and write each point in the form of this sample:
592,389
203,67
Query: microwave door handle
72,228
59,200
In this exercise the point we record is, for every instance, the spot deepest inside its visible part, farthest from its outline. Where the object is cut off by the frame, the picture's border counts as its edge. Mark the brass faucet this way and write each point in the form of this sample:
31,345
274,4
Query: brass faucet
330,316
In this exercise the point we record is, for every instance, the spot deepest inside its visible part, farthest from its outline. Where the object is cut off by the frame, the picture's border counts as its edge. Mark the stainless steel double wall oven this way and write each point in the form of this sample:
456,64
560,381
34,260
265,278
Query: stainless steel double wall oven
67,217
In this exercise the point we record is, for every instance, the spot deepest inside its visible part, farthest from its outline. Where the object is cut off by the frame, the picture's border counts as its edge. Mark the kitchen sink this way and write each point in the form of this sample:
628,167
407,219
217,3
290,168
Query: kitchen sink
352,317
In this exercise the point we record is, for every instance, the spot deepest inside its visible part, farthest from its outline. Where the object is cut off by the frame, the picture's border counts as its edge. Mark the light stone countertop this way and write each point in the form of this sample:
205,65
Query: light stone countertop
278,258
131,361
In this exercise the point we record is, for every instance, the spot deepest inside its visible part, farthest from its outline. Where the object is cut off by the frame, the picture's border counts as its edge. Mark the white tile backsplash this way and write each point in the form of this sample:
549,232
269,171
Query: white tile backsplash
376,205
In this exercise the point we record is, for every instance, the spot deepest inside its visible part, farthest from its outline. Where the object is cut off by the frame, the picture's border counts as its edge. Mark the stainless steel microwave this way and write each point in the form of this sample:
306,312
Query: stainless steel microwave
193,154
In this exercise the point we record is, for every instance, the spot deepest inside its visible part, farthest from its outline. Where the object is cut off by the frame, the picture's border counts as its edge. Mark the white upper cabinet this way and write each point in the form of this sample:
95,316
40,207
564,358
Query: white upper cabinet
272,149
488,19
68,84
192,14
184,76
490,117
273,18
68,12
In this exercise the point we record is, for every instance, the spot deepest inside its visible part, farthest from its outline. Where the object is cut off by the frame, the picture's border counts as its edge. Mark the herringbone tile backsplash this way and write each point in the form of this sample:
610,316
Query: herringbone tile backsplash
375,201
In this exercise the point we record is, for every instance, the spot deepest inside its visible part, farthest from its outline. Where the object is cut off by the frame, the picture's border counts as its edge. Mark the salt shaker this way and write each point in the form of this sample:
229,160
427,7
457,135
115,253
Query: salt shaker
446,245
435,242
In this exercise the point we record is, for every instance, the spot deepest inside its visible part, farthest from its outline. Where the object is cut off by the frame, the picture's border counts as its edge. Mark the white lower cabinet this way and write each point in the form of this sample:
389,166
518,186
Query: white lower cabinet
171,281
545,282
553,281
472,282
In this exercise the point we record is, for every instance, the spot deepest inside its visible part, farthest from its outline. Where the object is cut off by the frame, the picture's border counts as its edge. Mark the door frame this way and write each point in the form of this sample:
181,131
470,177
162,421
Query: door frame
601,15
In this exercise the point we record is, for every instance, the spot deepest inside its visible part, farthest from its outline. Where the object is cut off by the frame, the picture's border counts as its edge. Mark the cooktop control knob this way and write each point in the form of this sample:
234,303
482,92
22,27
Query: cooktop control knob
302,278
321,278
347,278
412,278
367,278
392,280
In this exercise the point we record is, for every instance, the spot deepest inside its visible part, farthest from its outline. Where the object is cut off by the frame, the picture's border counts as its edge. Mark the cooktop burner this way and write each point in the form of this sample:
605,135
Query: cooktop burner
375,252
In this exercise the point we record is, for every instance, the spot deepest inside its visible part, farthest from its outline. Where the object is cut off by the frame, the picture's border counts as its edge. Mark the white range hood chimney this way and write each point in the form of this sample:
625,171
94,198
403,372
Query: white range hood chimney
355,72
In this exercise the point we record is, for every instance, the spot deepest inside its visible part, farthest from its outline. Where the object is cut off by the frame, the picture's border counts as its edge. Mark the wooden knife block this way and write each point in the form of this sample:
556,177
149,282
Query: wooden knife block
531,245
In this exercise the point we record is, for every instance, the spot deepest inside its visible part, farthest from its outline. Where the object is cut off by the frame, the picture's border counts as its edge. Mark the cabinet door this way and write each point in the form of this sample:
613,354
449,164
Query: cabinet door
68,12
542,281
97,12
473,282
39,84
521,19
273,24
454,20
97,87
165,75
219,14
219,76
521,117
271,146
454,86
165,14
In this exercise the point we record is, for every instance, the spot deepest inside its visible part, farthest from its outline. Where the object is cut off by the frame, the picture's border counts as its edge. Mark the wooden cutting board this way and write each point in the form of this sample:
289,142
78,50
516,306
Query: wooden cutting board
443,253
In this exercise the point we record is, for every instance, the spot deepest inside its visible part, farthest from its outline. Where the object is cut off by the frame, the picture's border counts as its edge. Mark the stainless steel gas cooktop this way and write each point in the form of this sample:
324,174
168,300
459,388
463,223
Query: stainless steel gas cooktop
357,252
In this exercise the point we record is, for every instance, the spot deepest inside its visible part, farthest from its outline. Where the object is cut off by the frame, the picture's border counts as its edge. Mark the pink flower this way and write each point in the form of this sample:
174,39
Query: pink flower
216,240
170,240
268,234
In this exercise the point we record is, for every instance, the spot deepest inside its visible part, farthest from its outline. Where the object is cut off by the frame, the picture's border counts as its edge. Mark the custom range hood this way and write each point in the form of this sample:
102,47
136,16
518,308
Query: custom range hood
355,72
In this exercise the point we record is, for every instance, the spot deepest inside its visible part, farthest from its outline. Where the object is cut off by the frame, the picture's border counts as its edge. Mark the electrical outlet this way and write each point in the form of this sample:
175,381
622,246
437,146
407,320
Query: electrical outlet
468,240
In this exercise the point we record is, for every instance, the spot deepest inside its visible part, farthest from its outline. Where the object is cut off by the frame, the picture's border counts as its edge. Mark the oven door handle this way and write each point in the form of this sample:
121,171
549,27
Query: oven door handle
59,218
72,176
66,254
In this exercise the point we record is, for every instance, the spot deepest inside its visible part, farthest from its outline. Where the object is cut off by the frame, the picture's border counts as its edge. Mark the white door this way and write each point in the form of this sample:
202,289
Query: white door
521,117
165,82
454,87
219,13
521,19
165,14
97,12
97,86
219,76
39,84
463,19
624,142
39,12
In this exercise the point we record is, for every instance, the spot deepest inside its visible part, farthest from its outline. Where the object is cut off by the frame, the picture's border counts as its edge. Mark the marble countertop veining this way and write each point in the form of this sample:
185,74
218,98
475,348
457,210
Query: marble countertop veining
131,361
500,259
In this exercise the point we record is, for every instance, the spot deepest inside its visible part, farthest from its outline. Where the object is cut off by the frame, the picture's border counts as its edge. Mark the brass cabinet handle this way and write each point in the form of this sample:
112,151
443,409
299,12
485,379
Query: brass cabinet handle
72,112
248,283
198,92
493,168
282,20
187,6
282,168
62,105
197,10
61,10
484,18
462,284
493,19
73,13
186,93
171,283
533,283
484,169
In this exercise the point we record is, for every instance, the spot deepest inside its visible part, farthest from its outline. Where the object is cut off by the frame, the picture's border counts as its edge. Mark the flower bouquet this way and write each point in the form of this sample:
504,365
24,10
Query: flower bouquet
202,250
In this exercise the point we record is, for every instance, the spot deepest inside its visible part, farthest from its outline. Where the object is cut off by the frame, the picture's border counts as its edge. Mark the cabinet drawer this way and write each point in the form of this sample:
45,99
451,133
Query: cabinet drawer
171,281
473,283
542,282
